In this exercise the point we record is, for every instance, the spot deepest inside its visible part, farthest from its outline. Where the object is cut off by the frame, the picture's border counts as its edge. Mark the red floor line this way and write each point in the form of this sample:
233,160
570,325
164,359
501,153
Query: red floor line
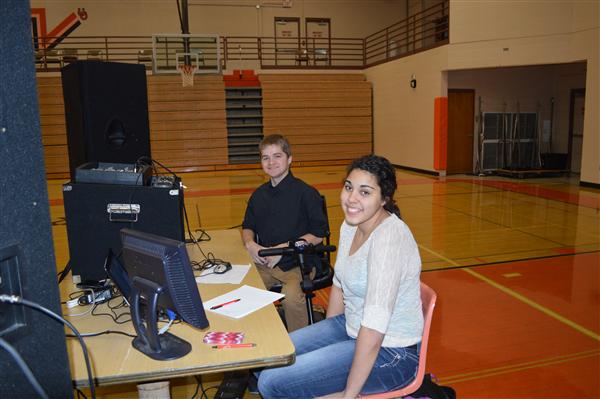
542,192
576,199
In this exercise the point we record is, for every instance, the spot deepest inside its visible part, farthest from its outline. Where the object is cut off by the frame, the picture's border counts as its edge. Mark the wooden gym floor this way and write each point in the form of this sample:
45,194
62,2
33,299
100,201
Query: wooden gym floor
515,264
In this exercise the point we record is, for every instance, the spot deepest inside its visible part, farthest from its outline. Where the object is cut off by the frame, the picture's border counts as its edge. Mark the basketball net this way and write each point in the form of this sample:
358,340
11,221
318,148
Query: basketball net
187,74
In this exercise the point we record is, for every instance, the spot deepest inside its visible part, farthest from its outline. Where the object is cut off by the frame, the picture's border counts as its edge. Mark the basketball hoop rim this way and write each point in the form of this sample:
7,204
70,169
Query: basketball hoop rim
184,68
187,73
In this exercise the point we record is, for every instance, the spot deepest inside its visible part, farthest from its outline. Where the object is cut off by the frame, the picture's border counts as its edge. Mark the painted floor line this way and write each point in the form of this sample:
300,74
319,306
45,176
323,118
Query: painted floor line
577,355
517,367
535,305
520,297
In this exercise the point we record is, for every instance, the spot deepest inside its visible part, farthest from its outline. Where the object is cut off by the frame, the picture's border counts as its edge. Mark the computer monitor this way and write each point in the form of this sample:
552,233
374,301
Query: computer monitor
162,280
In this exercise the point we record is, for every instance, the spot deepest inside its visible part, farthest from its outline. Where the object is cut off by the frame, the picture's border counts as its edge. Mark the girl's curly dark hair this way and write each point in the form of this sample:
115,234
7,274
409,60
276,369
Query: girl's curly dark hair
385,174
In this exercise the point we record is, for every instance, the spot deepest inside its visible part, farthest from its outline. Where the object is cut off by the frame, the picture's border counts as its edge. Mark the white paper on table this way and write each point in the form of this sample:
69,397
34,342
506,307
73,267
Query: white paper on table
233,276
250,300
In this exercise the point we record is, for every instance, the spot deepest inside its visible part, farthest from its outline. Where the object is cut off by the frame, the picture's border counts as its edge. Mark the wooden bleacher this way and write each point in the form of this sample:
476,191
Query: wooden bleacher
52,121
327,117
187,124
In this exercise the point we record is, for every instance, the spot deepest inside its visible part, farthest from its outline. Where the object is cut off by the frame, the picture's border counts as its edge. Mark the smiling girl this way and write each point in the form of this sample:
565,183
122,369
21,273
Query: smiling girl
370,340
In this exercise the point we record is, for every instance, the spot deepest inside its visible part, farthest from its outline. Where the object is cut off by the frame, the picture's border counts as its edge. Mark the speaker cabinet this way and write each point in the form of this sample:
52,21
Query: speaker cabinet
27,263
106,111
96,213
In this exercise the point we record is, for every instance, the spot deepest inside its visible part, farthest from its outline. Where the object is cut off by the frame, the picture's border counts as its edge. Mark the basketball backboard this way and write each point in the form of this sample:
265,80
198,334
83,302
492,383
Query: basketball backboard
171,50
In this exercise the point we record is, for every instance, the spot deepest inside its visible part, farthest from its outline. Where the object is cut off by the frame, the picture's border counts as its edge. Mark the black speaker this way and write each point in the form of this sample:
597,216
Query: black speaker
96,213
27,263
106,111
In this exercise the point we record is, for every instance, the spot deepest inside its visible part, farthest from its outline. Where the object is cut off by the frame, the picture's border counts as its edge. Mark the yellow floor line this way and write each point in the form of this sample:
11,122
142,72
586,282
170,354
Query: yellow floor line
519,297
517,367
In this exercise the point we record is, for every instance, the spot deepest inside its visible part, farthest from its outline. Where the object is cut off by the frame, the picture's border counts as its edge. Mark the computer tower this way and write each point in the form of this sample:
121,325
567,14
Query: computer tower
106,112
95,214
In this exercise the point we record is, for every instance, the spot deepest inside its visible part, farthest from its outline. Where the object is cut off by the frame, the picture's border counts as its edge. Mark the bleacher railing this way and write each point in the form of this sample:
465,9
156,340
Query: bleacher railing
419,32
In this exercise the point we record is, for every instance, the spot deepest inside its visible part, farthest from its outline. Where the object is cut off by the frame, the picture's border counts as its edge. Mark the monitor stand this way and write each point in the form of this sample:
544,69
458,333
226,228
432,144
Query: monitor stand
145,321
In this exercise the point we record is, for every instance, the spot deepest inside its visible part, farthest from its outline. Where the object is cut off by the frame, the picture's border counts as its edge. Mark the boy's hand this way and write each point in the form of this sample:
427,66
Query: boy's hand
253,249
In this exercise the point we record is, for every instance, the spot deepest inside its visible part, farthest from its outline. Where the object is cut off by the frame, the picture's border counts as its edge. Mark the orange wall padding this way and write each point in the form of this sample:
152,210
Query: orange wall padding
440,133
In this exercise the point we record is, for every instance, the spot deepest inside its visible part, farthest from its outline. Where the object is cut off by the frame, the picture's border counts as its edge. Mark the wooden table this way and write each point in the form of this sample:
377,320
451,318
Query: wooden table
115,361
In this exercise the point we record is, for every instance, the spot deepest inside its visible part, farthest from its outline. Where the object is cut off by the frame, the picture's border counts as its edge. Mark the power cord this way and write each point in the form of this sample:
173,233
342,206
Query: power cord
204,236
26,370
200,389
63,273
116,317
78,301
16,300
97,334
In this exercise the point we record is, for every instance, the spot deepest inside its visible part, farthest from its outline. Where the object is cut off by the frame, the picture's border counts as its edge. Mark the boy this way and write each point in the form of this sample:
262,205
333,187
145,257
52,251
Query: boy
281,210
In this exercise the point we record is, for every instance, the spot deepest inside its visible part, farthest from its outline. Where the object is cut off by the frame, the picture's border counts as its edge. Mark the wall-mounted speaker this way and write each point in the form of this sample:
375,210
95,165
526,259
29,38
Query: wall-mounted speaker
106,111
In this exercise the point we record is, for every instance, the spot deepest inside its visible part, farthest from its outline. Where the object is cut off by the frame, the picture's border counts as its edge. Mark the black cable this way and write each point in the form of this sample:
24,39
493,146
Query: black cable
16,300
24,368
117,316
80,394
64,272
198,385
209,260
204,391
204,236
102,333
154,161
185,214
187,224
132,193
114,316
200,389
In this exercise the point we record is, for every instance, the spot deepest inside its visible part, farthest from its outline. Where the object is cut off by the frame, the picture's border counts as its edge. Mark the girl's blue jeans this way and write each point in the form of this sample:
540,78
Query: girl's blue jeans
324,354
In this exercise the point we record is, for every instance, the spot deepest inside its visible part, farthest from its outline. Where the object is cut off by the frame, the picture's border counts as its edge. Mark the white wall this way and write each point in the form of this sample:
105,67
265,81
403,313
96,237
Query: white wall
349,18
402,116
493,34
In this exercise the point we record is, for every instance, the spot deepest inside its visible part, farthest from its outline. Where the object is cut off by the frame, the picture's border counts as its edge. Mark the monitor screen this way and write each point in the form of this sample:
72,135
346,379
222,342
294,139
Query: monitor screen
162,281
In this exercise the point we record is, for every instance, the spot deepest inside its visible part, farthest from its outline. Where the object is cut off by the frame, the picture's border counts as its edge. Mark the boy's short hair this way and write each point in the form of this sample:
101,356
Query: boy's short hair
276,139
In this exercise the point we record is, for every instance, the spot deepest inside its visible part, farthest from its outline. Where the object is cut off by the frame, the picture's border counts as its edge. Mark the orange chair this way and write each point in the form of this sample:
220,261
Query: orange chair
428,297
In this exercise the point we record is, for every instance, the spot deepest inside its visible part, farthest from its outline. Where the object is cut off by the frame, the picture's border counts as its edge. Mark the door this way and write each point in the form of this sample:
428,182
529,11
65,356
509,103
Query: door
318,39
461,112
577,110
287,39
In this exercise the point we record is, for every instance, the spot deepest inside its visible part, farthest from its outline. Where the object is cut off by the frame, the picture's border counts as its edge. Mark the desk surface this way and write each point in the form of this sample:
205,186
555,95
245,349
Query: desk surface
115,361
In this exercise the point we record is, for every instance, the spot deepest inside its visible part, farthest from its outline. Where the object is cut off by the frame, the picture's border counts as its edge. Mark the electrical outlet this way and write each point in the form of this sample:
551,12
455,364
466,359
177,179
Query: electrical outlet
12,317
